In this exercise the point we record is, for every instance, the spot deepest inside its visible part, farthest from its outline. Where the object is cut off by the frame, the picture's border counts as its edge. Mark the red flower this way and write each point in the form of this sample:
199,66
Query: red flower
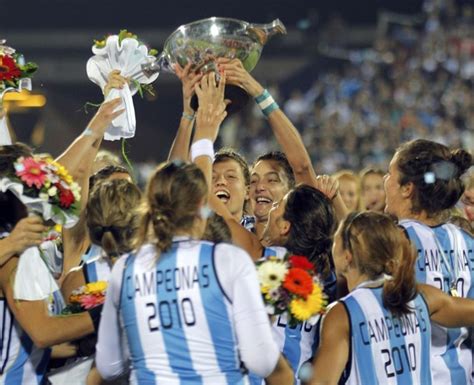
8,68
31,172
298,282
301,262
66,197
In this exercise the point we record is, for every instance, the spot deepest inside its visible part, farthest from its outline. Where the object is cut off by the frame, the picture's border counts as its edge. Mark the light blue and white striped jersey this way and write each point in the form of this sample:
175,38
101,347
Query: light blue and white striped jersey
96,268
22,363
298,343
188,319
446,256
385,349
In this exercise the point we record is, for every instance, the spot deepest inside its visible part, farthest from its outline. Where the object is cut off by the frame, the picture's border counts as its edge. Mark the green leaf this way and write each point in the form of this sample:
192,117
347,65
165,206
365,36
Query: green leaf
153,52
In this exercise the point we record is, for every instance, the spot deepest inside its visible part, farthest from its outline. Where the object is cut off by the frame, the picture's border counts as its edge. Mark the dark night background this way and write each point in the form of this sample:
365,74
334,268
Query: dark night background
57,34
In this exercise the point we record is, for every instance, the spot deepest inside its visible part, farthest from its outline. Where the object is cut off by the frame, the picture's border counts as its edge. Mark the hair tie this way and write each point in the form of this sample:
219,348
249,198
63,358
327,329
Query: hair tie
442,170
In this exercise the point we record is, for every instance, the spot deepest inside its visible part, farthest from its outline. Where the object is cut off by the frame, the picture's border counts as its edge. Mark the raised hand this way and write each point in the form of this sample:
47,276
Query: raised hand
103,117
115,80
211,111
189,79
237,74
328,185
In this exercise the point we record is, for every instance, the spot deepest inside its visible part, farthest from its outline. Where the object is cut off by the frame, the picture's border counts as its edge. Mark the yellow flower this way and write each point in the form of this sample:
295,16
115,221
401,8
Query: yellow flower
264,289
61,171
315,303
95,287
271,274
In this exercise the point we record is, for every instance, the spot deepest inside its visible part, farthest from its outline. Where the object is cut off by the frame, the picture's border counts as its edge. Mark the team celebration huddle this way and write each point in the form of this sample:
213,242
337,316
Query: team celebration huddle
224,270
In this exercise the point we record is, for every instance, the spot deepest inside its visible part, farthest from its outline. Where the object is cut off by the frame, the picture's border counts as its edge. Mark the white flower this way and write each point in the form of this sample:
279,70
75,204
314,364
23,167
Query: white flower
76,191
44,196
271,274
52,191
270,309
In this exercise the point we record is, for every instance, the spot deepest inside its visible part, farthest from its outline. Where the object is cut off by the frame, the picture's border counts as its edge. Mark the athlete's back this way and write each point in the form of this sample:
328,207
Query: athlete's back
386,349
445,261
183,315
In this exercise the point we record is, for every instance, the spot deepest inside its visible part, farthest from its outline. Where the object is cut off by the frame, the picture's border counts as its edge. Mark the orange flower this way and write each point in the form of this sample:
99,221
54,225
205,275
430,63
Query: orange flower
298,282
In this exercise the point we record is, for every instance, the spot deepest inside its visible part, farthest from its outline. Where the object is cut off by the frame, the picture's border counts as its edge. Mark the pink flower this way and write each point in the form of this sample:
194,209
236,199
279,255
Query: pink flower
31,172
89,301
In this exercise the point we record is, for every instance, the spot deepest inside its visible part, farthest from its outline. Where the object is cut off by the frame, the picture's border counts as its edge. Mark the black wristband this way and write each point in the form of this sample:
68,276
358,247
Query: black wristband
95,316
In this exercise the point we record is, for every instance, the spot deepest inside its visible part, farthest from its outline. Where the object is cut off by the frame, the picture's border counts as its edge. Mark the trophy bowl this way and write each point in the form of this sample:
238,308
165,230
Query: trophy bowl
203,41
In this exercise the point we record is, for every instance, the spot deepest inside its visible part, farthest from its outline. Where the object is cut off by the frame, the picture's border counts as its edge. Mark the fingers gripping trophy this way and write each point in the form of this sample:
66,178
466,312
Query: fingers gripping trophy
203,43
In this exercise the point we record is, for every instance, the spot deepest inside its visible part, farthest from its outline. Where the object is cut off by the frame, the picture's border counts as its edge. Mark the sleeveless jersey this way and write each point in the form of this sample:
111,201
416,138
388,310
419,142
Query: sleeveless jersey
177,318
385,349
299,343
446,260
22,363
96,268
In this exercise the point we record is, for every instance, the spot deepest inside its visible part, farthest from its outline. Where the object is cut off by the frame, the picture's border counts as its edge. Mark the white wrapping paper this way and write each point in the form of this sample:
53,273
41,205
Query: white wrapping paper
128,56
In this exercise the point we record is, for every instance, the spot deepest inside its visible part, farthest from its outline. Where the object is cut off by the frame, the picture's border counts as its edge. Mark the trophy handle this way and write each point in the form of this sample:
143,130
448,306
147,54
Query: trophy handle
157,65
265,31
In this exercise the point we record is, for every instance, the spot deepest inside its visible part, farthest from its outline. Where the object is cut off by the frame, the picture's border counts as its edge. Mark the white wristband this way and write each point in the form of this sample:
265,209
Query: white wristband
203,147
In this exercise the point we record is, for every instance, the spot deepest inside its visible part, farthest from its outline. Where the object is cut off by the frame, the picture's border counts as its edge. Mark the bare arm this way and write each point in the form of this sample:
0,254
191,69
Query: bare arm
210,114
333,351
180,147
285,132
209,117
282,374
73,280
240,236
34,319
450,312
80,156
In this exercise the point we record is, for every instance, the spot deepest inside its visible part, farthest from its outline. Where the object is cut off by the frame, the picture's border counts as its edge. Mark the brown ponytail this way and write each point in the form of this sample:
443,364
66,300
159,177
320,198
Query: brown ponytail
401,289
112,217
173,198
379,247
109,244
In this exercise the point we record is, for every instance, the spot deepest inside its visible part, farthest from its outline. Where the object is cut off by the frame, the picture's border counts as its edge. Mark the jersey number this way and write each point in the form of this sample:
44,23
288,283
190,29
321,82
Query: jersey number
397,359
170,313
459,285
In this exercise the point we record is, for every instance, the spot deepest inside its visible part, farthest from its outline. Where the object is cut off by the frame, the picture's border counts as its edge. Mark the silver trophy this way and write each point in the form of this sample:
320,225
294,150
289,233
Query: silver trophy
203,41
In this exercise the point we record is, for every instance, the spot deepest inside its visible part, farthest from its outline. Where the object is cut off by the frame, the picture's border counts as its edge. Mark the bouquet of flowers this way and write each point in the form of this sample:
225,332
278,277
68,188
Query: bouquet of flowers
45,188
124,52
15,73
290,285
86,297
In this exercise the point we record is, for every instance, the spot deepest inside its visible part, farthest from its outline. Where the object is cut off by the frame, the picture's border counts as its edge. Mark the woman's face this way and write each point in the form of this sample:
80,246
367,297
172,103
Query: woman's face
373,193
268,185
349,194
468,202
393,196
229,185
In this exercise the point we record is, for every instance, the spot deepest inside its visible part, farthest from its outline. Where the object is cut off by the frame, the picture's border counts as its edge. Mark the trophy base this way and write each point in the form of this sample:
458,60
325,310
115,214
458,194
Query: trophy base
237,95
